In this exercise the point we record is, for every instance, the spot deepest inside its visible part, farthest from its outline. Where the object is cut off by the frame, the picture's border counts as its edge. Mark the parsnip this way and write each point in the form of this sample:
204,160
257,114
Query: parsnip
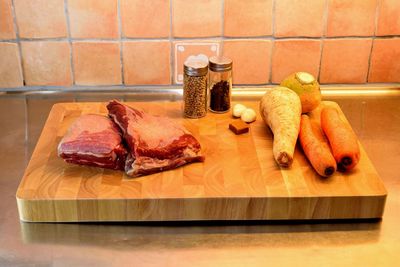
280,108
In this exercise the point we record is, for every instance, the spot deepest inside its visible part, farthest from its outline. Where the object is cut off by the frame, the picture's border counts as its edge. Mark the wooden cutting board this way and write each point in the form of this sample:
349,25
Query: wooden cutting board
239,179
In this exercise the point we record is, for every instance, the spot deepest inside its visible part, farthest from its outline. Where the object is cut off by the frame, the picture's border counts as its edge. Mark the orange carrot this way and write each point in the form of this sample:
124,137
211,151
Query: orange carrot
341,138
316,147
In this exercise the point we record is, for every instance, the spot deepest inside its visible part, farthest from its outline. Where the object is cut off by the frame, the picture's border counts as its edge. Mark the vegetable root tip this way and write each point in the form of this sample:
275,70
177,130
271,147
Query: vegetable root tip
346,161
284,160
329,171
341,167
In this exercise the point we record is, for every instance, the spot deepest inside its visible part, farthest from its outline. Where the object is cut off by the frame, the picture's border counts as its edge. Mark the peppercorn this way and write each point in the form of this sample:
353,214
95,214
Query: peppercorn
194,96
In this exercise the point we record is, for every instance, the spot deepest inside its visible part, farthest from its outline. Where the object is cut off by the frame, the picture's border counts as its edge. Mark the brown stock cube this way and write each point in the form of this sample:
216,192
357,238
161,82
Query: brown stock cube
238,127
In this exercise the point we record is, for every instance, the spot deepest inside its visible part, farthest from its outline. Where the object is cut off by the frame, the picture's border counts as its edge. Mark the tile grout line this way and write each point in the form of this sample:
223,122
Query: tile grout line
171,46
18,41
69,39
9,41
120,33
273,41
272,49
377,10
323,37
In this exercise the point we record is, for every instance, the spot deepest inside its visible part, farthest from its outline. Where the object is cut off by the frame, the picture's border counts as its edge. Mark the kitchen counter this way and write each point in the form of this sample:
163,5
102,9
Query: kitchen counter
375,119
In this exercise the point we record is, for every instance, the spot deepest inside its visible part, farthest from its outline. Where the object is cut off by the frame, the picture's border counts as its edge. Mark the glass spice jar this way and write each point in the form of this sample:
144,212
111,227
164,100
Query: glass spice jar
220,84
195,89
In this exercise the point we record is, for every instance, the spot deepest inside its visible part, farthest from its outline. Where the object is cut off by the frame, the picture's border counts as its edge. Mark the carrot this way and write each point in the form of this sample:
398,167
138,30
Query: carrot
316,147
280,109
341,138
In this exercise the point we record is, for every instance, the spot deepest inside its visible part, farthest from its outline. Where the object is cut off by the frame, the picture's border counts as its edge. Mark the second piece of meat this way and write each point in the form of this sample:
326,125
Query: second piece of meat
155,143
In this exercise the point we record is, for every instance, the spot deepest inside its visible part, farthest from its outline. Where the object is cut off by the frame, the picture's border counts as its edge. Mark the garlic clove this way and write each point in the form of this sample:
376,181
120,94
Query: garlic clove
238,110
249,115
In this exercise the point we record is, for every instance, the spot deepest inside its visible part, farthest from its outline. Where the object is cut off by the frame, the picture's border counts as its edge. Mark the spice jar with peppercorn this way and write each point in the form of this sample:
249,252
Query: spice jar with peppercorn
195,82
220,84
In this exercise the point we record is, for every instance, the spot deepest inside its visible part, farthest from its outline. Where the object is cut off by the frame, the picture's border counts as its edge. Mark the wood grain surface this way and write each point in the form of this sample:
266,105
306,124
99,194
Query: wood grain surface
239,179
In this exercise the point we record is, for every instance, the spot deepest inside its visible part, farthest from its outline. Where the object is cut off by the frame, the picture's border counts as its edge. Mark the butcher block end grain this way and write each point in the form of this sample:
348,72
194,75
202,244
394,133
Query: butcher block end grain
239,180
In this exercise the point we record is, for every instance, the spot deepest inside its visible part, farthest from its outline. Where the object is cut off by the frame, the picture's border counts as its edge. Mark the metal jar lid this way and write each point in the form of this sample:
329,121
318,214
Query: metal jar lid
195,68
220,63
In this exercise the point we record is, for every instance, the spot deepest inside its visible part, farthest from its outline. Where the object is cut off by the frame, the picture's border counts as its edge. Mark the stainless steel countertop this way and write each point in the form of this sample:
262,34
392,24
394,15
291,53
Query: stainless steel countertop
376,120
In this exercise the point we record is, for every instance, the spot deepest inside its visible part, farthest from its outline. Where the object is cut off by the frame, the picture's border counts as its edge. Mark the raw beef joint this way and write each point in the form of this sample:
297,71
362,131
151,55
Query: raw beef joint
93,140
155,143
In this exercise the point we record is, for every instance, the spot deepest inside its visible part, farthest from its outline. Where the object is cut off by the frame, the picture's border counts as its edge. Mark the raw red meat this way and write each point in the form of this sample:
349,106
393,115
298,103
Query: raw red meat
93,140
155,143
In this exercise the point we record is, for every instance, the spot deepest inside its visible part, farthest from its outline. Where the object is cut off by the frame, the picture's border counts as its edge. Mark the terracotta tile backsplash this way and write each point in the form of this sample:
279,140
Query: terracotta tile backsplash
251,60
299,18
6,20
93,18
147,62
131,43
97,63
10,67
351,17
46,63
200,18
147,19
345,60
41,18
248,18
294,55
388,18
385,63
